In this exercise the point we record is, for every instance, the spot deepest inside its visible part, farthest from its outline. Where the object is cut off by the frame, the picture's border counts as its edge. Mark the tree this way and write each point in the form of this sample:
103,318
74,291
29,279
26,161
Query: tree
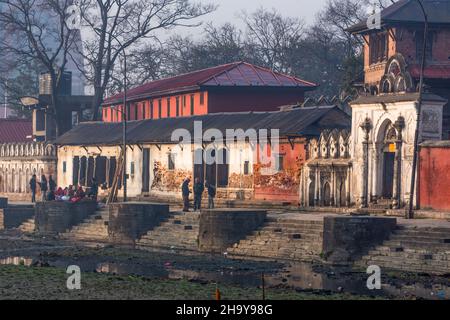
40,36
117,25
272,37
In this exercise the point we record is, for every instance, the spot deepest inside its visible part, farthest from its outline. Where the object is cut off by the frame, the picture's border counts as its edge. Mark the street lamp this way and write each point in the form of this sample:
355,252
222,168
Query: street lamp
124,121
410,213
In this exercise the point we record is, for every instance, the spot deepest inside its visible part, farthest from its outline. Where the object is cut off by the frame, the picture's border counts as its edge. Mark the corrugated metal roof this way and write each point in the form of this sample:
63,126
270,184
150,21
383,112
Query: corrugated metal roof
300,121
408,11
15,130
239,74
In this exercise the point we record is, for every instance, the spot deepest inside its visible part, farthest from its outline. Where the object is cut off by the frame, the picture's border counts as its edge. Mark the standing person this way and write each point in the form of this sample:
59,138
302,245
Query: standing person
44,187
198,192
33,184
211,195
51,184
185,193
94,189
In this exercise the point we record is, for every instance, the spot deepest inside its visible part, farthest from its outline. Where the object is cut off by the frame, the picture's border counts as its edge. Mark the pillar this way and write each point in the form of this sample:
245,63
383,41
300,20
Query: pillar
399,126
366,126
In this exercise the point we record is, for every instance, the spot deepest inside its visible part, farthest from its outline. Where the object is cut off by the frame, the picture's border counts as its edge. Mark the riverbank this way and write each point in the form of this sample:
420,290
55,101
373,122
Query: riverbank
31,283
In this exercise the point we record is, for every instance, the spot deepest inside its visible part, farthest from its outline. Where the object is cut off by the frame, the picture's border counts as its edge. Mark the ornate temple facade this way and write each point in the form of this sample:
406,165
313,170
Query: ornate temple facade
326,178
19,161
377,169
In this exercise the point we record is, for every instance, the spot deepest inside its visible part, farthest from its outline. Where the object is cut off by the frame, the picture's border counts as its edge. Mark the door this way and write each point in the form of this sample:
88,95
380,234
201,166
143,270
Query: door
388,175
145,170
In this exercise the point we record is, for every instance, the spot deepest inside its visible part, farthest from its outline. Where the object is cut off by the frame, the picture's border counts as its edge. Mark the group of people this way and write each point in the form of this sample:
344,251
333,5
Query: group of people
50,193
199,188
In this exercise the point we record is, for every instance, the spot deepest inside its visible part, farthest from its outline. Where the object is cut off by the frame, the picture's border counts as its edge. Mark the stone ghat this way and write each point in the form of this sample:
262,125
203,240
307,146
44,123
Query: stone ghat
284,239
413,249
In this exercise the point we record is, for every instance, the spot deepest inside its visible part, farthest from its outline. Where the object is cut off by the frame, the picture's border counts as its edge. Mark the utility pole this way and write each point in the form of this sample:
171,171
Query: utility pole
410,213
124,121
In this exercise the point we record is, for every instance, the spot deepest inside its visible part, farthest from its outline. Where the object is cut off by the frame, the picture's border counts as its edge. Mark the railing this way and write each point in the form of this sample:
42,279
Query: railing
27,150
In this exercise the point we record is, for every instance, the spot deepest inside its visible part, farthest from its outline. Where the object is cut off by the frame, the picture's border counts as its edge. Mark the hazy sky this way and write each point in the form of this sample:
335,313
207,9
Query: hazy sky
229,10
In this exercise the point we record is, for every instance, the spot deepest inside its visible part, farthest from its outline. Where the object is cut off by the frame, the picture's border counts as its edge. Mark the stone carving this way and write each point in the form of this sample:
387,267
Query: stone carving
430,121
27,150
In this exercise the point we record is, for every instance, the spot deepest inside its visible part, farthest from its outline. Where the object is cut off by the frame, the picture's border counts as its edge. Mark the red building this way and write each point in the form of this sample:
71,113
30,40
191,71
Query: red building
233,87
434,179
393,53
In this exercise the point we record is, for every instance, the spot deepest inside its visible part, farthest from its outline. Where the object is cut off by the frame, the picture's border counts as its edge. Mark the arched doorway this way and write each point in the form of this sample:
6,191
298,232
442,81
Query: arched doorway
326,195
342,195
389,148
311,195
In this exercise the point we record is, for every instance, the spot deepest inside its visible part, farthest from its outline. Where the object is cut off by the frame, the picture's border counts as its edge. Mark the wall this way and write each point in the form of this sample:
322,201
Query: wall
219,229
58,217
13,217
283,185
434,182
347,238
130,221
149,108
18,162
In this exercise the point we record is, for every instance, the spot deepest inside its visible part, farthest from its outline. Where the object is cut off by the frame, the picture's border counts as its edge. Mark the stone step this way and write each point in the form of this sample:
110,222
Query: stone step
417,243
28,226
179,231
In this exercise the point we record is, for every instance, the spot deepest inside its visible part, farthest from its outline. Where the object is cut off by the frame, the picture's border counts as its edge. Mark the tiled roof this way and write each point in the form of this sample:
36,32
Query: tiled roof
300,121
237,74
408,11
15,130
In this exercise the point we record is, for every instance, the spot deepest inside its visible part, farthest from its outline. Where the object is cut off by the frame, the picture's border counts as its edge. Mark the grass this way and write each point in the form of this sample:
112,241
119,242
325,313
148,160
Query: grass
33,283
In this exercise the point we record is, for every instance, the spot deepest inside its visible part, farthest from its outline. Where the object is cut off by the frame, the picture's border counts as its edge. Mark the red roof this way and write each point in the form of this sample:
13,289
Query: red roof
15,130
234,74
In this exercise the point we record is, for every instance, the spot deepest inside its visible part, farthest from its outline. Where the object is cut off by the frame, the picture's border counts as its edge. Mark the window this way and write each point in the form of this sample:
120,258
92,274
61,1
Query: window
419,46
75,170
223,169
192,104
177,104
151,109
159,108
171,161
168,107
279,162
184,101
132,168
202,98
64,166
377,47
136,108
246,167
40,120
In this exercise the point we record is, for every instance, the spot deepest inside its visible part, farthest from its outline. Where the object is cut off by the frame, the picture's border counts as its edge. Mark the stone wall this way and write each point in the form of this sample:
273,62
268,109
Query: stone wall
57,217
434,177
13,217
130,221
221,228
347,238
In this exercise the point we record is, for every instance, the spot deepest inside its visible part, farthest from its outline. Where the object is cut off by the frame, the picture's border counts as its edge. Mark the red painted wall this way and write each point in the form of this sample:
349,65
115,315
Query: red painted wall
214,101
149,109
434,183
283,186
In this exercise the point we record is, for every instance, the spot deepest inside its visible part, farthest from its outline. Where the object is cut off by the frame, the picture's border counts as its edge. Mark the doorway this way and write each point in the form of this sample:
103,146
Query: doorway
145,170
388,174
